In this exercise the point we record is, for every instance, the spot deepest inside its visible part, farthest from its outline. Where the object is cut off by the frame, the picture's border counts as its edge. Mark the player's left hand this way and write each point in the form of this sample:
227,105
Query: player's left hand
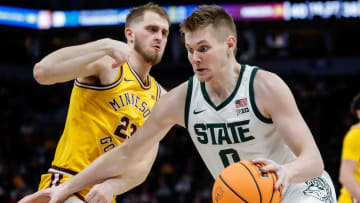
100,193
41,196
280,170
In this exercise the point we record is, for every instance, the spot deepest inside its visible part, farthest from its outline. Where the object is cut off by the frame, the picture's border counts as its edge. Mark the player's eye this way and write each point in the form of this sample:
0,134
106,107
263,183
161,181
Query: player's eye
203,48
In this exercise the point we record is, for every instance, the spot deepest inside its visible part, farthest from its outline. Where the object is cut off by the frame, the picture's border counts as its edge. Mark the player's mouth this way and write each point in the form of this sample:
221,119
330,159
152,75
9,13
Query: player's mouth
200,70
156,47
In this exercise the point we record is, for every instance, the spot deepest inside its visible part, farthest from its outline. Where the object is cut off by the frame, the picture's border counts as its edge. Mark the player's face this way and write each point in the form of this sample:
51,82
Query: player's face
206,53
151,36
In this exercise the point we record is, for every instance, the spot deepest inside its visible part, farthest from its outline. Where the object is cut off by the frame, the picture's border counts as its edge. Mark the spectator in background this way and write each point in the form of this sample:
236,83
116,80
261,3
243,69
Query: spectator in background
350,159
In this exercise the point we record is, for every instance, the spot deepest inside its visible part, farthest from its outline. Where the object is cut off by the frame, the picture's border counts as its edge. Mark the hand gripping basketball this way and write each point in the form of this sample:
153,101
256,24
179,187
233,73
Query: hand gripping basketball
245,182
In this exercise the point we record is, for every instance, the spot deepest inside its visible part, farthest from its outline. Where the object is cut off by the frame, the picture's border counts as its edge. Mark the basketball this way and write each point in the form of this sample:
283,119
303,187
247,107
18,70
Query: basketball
244,181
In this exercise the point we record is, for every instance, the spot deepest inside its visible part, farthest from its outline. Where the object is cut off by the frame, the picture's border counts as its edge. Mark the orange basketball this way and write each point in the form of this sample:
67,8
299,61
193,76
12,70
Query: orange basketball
245,182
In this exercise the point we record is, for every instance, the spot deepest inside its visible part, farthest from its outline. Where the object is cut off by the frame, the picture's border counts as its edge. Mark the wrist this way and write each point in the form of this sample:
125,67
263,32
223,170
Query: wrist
106,46
65,189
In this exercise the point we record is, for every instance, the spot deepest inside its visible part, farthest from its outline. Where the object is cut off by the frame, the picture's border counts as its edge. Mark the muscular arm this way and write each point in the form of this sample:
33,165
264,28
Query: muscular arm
125,182
79,61
276,101
347,178
169,110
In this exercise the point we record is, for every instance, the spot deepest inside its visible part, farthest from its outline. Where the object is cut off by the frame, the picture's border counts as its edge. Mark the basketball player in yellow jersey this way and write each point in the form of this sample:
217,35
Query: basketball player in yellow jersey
350,160
112,96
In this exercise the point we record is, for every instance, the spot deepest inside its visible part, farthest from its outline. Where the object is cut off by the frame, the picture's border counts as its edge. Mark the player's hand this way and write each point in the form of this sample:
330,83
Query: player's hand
50,195
280,170
100,193
119,51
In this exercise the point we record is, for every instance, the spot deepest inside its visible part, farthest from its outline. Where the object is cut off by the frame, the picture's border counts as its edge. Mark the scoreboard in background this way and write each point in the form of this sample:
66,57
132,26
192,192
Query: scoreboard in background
45,19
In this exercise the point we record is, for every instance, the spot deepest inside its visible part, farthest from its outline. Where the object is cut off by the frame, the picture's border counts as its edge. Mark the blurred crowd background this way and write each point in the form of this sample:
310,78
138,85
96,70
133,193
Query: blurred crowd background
318,58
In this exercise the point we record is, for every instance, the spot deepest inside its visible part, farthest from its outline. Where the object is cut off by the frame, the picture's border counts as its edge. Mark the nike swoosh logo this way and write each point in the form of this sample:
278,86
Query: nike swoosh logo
197,112
127,79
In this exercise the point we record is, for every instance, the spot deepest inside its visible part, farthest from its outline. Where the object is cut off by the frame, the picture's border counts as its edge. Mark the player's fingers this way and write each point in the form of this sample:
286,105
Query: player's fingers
280,181
40,196
90,195
26,199
262,161
93,200
284,188
271,167
53,201
115,65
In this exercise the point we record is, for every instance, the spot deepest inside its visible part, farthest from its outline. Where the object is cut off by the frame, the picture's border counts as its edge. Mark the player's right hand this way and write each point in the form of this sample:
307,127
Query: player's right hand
50,195
100,193
119,51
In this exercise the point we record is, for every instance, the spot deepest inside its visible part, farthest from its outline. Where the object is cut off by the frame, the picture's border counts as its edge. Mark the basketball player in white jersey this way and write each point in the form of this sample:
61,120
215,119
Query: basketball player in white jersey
232,111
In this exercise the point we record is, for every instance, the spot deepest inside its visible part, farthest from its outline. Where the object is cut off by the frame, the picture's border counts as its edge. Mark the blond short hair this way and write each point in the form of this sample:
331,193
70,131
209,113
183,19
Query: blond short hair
214,16
137,13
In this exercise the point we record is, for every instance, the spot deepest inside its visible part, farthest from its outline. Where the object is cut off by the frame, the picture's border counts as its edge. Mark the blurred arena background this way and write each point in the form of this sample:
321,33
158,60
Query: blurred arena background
313,45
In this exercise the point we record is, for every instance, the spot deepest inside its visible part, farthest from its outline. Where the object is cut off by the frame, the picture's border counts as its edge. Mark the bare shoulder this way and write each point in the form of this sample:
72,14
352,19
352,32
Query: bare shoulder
270,92
266,82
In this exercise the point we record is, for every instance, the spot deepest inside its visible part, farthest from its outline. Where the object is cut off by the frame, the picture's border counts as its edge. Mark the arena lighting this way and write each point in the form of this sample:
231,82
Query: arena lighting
288,11
21,17
256,11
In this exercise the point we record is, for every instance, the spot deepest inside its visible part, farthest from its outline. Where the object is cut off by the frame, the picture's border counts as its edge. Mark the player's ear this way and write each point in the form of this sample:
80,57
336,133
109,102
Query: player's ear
129,34
230,45
358,114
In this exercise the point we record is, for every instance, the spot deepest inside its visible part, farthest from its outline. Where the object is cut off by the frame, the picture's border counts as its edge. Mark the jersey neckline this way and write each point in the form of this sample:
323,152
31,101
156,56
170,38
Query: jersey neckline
227,100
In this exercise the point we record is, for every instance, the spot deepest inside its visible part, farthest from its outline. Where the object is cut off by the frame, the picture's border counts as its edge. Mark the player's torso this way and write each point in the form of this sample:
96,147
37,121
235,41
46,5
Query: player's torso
234,130
100,118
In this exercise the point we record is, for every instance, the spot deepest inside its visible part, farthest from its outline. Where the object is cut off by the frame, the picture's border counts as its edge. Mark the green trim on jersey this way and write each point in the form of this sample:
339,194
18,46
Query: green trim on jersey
228,100
252,99
188,100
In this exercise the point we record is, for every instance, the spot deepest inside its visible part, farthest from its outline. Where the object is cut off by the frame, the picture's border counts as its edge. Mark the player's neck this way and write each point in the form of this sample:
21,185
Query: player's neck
139,65
224,83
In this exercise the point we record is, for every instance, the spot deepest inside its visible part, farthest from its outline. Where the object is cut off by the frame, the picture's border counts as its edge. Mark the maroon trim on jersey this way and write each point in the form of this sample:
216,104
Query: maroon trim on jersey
100,87
57,181
79,196
52,179
144,86
64,170
158,91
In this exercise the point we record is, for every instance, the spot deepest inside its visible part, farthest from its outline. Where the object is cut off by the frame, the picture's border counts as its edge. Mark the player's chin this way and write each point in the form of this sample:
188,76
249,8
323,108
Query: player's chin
203,78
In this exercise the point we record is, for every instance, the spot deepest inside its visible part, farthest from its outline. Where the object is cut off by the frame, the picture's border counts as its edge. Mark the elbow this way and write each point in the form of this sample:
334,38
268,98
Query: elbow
142,177
40,73
341,179
321,167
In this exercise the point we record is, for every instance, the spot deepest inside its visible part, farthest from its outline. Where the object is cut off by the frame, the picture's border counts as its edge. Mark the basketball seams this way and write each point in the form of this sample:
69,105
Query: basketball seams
236,183
232,189
257,185
272,194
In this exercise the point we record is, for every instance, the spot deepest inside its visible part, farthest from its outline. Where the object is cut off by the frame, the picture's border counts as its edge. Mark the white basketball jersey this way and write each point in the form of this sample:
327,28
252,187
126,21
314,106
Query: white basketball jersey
234,130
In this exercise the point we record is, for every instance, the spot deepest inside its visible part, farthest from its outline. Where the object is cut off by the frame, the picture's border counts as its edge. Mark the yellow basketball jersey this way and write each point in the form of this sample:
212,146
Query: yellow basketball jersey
351,151
99,119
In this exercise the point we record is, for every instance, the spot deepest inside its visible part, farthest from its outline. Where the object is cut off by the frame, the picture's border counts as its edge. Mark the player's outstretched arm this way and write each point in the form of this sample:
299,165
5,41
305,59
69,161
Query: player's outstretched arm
275,99
104,192
80,61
